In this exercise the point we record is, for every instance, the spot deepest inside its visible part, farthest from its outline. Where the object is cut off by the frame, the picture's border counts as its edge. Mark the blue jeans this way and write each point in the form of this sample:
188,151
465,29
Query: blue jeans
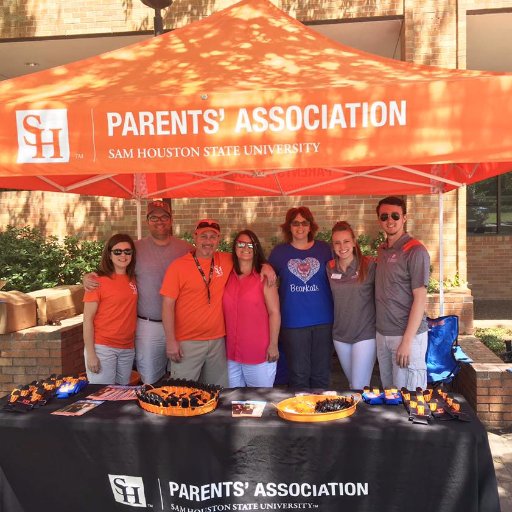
308,354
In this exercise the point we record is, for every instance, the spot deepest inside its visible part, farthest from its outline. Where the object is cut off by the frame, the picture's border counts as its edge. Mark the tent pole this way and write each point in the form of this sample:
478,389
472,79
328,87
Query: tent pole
441,258
139,223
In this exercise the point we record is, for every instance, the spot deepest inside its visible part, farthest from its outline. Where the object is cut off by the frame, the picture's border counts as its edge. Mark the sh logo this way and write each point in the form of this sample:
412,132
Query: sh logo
42,136
128,490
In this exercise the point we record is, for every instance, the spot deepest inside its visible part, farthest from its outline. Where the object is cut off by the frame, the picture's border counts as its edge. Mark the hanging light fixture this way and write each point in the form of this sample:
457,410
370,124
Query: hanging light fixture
158,5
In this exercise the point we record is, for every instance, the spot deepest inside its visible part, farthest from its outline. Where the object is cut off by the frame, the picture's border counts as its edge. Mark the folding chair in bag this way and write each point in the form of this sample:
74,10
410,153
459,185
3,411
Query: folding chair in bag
442,366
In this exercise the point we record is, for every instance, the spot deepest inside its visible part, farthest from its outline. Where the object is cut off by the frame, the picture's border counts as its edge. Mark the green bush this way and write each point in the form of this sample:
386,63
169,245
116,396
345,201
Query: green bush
81,256
448,284
494,338
324,235
30,261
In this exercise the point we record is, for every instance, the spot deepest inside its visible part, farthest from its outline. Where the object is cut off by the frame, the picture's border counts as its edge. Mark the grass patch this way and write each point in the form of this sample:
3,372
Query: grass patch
494,338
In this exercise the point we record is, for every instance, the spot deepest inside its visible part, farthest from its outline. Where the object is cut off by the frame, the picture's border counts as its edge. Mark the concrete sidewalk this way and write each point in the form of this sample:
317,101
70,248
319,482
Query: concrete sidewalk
501,449
489,314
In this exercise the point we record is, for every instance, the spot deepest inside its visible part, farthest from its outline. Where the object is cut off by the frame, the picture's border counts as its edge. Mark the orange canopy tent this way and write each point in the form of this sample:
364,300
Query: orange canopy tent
250,102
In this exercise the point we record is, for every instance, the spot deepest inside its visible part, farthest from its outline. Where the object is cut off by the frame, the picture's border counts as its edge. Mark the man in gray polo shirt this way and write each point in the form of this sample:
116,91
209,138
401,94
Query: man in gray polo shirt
401,279
154,254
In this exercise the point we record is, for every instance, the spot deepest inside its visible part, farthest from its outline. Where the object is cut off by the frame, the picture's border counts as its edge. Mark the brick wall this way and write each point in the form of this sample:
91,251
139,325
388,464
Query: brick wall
486,384
490,266
434,29
456,302
38,352
44,18
423,223
97,218
265,214
68,214
431,32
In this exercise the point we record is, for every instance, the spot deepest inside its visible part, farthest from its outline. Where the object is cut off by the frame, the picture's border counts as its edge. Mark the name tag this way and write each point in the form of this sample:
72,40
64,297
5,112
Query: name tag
336,276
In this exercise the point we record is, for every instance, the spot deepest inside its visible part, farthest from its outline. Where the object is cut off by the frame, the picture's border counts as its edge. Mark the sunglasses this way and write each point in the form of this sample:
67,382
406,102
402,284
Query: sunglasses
243,245
118,252
212,225
297,223
385,216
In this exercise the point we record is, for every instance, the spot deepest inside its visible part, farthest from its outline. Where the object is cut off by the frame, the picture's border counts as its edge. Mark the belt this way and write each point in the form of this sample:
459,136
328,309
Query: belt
146,318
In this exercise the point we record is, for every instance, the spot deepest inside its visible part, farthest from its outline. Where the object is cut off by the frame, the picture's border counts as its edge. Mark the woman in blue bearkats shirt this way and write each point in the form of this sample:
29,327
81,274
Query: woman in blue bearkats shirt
306,300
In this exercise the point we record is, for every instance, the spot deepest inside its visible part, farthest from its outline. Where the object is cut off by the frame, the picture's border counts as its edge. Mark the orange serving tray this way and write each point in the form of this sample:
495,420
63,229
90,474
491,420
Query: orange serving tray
302,408
177,410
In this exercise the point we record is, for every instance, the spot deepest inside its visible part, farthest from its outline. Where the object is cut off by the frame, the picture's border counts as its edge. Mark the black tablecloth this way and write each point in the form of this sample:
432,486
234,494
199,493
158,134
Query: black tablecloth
119,457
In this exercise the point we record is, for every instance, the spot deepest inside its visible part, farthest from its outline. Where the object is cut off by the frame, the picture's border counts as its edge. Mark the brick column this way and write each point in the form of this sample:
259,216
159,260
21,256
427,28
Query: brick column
431,32
36,353
486,384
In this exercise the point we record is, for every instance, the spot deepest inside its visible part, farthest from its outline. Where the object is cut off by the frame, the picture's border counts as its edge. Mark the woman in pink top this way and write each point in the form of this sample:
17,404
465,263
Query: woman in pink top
252,316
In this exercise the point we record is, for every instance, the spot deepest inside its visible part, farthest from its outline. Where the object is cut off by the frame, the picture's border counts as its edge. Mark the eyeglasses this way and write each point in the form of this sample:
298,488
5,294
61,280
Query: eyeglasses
208,236
243,245
385,216
118,252
205,224
297,223
159,218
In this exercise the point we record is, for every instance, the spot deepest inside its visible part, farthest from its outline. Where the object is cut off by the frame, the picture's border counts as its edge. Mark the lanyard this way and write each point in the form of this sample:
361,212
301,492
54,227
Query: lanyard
206,283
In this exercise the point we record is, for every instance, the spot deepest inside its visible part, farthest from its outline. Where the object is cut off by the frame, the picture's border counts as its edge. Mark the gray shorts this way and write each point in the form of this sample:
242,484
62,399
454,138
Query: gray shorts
115,365
391,375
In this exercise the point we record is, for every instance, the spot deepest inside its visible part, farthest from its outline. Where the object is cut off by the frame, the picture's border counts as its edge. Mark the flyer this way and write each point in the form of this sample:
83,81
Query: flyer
247,408
78,408
115,392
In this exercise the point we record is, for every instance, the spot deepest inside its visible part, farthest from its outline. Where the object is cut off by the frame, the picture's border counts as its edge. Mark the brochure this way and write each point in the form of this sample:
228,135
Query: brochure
115,392
247,408
78,408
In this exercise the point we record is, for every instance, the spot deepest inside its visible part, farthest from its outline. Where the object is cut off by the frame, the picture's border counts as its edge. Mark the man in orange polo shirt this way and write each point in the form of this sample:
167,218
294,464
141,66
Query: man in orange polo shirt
192,309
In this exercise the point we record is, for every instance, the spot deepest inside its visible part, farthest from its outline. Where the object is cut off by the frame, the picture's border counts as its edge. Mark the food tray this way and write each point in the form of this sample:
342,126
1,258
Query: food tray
179,400
302,408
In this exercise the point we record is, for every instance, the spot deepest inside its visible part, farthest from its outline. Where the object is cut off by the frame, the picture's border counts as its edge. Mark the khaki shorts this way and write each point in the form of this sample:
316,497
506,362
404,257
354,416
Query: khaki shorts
203,361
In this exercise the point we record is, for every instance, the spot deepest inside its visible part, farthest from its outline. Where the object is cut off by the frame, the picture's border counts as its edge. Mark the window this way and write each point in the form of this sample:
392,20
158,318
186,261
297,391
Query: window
489,206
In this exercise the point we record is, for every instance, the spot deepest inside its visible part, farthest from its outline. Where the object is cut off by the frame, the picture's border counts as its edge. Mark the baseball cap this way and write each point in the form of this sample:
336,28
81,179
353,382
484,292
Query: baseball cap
158,206
205,224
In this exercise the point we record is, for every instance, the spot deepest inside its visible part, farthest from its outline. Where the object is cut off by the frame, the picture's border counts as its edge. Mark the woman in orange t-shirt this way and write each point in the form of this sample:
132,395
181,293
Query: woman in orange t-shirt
110,315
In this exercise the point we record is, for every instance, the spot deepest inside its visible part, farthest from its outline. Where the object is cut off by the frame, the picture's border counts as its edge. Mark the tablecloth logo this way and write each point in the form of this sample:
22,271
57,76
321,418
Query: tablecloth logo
42,136
128,490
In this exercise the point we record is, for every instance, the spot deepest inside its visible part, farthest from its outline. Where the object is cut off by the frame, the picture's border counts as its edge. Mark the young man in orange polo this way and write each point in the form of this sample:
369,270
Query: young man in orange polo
192,309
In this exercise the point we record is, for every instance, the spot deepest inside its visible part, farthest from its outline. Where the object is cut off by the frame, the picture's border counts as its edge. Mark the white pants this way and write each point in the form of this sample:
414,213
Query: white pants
391,375
251,375
357,361
150,350
115,365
